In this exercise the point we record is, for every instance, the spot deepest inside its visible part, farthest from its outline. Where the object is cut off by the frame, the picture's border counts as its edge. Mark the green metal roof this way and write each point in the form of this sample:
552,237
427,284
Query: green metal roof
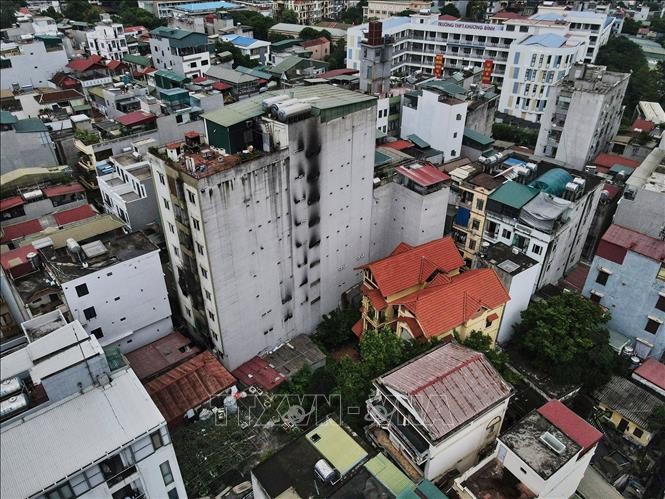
288,63
445,86
336,446
283,44
30,125
381,159
514,194
418,141
389,475
139,60
478,137
174,33
425,490
618,341
98,91
254,72
621,169
327,101
7,118
170,75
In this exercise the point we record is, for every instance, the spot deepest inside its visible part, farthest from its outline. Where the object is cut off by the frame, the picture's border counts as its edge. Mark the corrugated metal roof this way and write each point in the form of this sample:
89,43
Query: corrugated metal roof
69,435
631,401
257,371
390,476
478,137
573,426
61,190
634,241
651,371
448,386
21,229
423,175
336,446
74,215
514,194
154,358
11,202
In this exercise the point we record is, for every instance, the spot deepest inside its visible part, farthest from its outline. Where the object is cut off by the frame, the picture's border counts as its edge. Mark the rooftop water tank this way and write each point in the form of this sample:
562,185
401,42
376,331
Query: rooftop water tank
9,387
553,181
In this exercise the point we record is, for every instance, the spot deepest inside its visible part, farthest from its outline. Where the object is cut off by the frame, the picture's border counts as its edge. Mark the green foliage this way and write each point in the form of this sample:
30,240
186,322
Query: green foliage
657,418
565,336
278,37
51,12
630,26
335,327
406,13
337,57
260,23
353,15
135,16
288,16
518,135
87,137
311,33
657,24
81,10
7,9
450,10
483,343
475,11
239,59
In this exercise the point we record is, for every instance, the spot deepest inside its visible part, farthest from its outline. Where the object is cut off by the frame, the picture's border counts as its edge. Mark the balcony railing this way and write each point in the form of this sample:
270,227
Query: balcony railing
119,477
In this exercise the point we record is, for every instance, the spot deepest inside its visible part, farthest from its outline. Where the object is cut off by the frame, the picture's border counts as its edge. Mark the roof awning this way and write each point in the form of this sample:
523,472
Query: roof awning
492,317
618,341
418,141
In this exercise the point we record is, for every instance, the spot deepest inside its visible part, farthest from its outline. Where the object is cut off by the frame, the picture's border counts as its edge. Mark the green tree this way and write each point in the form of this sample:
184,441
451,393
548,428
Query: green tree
657,24
353,15
309,33
520,136
565,336
451,10
475,11
81,10
335,327
337,57
135,16
239,59
7,10
288,16
51,12
380,351
260,23
406,13
630,26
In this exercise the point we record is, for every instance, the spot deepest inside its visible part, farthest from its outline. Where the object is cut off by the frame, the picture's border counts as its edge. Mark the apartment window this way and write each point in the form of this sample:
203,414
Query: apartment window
165,468
602,277
178,118
204,63
191,197
156,439
196,224
472,244
176,250
660,304
81,290
173,493
204,273
199,248
458,117
90,313
516,59
638,433
171,228
63,492
506,234
652,325
454,135
192,64
97,333
475,224
208,295
595,297
538,250
167,205
211,316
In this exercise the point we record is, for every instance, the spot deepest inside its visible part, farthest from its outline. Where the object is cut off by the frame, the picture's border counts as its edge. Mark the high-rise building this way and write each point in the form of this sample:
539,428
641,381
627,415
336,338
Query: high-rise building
266,223
583,114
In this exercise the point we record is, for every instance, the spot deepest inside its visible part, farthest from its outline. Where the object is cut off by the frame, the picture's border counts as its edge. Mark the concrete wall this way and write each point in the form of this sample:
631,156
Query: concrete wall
34,67
520,288
45,207
630,294
115,292
21,150
402,215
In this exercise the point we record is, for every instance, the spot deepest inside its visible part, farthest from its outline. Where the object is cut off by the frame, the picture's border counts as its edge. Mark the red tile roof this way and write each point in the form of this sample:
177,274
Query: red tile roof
573,426
442,306
408,268
16,261
257,371
413,326
374,296
114,64
642,125
221,86
156,357
652,371
618,240
136,118
577,277
188,386
131,29
21,229
605,161
199,79
423,174
85,64
398,144
504,14
448,17
357,328
401,248
74,215
448,386
12,202
322,40
54,96
337,72
61,190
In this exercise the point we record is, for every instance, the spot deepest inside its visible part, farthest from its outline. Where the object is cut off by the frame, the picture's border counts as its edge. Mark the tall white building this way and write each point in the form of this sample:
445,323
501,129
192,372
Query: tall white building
31,63
536,63
108,40
266,225
78,423
181,51
582,116
308,11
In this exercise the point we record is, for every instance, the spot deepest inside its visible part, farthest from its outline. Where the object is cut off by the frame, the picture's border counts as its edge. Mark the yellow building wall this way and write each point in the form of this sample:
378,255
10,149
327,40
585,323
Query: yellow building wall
615,419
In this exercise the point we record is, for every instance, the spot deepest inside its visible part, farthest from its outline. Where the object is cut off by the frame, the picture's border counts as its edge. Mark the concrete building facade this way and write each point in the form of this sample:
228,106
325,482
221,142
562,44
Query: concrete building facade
108,40
582,116
30,64
181,51
274,213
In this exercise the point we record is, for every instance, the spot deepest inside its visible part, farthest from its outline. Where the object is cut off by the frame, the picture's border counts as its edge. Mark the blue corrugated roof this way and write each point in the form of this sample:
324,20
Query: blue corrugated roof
547,40
204,6
242,41
547,16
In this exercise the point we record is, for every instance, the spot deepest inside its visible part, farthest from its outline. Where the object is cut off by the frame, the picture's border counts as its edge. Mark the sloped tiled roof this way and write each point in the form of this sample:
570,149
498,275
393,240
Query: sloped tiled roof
74,215
448,386
85,64
11,202
188,386
573,426
405,269
21,229
633,241
450,302
652,371
61,190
